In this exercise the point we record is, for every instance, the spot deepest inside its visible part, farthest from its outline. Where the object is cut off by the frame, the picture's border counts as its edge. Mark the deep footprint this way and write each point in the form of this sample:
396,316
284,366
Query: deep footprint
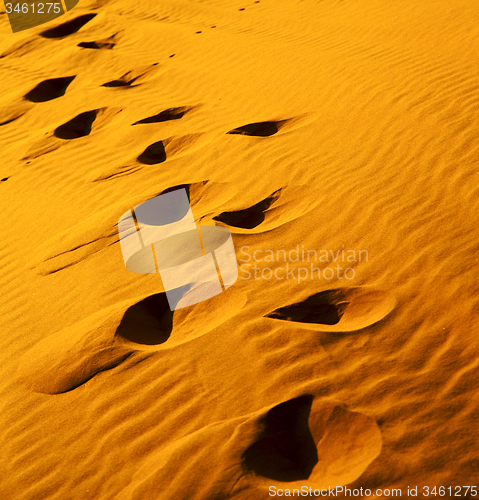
96,45
285,450
342,309
155,153
124,81
132,76
305,439
259,129
68,28
248,218
148,322
166,115
321,308
80,126
49,89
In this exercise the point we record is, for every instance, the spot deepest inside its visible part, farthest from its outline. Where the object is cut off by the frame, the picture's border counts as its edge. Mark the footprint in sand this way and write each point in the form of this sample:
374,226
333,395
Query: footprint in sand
159,152
68,28
166,115
305,439
251,217
155,153
106,44
69,358
80,126
49,89
259,129
300,442
340,310
137,76
278,208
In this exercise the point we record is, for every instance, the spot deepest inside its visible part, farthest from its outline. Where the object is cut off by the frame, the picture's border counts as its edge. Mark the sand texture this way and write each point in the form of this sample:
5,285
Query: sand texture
335,125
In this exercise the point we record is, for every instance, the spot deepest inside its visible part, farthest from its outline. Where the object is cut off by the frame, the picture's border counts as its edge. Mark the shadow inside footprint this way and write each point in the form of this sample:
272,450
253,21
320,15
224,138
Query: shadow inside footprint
68,28
49,89
148,322
153,154
119,83
132,76
308,439
80,126
340,310
320,308
285,449
96,45
248,218
259,129
166,115
124,81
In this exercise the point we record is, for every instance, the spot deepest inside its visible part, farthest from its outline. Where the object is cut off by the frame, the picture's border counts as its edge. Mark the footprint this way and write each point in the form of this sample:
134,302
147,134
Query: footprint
285,449
96,45
155,153
148,322
4,179
80,126
166,115
68,359
151,325
49,89
138,75
251,217
259,129
104,44
275,210
322,444
339,310
68,28
304,439
124,81
159,151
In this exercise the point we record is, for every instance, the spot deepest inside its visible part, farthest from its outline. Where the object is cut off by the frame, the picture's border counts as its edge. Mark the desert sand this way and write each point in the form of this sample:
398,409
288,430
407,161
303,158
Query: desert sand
334,126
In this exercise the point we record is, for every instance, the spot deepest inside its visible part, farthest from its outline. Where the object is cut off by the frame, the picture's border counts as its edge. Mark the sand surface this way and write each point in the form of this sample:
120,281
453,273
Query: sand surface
335,125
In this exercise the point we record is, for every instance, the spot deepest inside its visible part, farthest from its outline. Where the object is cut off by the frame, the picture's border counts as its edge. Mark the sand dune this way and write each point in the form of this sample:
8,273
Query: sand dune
338,141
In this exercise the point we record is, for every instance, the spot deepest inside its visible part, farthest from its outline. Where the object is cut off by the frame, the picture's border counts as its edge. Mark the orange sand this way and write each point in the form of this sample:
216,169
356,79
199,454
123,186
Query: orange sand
298,125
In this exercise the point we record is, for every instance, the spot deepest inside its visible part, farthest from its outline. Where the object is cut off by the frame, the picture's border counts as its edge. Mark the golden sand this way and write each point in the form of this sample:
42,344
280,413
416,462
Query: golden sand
302,125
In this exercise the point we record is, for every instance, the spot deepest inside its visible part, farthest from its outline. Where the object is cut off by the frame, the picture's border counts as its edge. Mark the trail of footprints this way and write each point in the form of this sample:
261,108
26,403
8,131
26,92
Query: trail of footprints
294,437
300,441
83,124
